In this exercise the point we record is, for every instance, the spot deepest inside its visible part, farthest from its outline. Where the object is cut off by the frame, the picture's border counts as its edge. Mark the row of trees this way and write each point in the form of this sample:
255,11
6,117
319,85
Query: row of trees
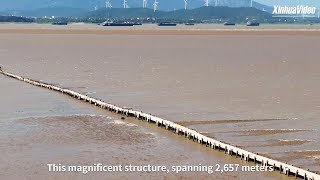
15,19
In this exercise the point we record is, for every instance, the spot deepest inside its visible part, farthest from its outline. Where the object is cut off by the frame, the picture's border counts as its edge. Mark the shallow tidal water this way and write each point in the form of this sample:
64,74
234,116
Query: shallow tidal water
202,81
39,127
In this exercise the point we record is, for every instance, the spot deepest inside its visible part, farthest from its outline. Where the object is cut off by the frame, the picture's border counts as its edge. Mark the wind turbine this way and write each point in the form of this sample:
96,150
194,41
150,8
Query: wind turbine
155,5
96,8
185,4
251,4
125,4
108,4
144,3
206,3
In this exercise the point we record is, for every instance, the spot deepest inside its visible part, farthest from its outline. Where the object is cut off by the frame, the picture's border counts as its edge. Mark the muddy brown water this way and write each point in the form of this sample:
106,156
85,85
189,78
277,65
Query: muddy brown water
269,81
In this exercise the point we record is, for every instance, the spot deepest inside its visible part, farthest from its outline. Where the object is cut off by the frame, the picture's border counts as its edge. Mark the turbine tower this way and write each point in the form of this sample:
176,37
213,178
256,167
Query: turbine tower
144,4
185,4
251,3
206,3
155,5
125,4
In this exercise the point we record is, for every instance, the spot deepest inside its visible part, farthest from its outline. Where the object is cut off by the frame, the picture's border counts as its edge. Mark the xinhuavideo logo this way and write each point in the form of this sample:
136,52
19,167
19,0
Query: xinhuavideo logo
294,11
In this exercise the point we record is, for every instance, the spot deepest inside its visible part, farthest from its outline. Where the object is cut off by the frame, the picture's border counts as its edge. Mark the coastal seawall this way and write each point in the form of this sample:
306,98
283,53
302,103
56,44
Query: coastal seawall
193,135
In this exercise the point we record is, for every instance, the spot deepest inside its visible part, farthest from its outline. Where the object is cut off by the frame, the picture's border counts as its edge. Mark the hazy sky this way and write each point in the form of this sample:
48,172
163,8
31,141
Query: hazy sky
291,2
